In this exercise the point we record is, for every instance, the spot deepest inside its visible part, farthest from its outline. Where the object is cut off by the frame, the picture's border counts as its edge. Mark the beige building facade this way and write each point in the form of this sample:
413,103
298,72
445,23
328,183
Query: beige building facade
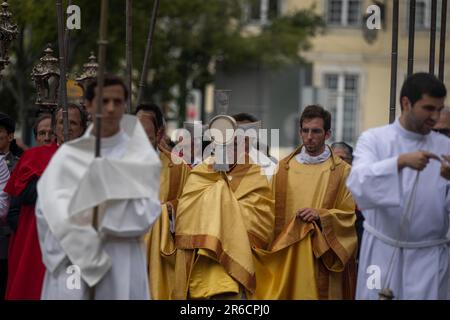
356,72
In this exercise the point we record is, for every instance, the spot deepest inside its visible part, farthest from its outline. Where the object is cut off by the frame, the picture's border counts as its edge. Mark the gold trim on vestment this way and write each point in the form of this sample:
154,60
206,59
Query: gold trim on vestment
238,272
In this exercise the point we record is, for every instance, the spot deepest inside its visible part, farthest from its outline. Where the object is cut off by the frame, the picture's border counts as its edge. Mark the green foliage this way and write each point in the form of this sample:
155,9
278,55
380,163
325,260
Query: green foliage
191,39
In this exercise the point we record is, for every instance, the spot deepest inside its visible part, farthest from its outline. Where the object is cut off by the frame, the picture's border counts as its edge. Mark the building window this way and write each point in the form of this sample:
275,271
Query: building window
344,12
423,14
343,98
262,11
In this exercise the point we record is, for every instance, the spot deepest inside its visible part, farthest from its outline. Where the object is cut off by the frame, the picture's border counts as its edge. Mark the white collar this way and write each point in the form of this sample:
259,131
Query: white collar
304,158
111,140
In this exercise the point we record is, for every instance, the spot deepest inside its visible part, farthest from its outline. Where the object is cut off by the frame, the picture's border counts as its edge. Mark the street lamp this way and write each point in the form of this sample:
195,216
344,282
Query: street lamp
45,75
8,32
89,72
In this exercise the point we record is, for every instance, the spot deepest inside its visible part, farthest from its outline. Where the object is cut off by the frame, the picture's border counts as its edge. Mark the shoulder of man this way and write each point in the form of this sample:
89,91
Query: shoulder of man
381,130
170,158
440,138
39,153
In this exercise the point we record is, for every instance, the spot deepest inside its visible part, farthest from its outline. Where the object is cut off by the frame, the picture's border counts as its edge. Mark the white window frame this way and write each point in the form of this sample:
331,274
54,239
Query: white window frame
344,15
263,12
341,72
427,22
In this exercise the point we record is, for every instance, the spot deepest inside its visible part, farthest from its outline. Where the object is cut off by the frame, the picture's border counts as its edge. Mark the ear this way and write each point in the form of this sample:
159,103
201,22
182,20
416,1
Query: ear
89,106
405,104
328,134
10,137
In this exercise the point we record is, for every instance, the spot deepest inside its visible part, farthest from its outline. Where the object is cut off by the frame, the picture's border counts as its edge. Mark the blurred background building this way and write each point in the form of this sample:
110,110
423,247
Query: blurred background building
347,70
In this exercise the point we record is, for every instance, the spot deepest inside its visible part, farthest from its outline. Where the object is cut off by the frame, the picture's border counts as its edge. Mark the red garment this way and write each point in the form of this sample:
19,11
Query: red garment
25,268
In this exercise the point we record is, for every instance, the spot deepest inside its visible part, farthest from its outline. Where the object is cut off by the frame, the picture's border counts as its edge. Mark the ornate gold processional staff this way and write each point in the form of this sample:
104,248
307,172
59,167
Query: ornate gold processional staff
62,97
98,113
129,50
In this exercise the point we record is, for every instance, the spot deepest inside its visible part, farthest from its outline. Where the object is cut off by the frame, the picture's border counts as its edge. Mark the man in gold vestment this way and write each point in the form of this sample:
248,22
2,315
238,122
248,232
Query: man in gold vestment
160,240
312,255
223,216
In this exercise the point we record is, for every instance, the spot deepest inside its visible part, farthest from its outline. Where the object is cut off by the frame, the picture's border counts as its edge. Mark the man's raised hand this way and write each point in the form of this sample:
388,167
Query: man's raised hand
416,160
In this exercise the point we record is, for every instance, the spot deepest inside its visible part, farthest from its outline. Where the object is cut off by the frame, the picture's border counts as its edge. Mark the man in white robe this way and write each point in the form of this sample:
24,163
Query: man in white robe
124,183
403,189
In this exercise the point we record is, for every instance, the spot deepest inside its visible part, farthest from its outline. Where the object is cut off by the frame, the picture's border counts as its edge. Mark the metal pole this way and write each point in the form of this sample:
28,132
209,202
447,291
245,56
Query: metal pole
148,52
67,38
432,35
412,26
101,74
62,99
99,96
442,40
129,49
394,55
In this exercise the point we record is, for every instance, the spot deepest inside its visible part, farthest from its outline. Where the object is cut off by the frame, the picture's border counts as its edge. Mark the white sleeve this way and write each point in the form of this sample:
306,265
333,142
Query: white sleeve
373,182
52,253
4,197
129,218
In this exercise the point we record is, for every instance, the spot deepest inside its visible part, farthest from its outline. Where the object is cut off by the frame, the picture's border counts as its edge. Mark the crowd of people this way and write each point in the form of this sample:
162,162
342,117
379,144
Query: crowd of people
143,221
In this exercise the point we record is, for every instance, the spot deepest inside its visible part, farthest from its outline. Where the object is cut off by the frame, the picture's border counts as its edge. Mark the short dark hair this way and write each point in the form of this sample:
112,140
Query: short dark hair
39,119
152,107
316,111
418,84
81,110
7,122
243,116
109,80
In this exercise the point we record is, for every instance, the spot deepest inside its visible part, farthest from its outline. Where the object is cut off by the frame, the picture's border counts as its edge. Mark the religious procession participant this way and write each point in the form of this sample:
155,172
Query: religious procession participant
160,239
9,152
122,183
26,271
43,130
5,231
345,152
224,214
313,253
401,184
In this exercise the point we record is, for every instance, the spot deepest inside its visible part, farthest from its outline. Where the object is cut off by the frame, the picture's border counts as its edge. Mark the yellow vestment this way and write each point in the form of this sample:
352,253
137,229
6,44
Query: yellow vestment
160,241
310,260
221,219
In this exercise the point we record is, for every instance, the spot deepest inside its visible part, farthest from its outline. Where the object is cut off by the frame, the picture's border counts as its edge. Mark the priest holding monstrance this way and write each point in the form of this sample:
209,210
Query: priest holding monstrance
224,214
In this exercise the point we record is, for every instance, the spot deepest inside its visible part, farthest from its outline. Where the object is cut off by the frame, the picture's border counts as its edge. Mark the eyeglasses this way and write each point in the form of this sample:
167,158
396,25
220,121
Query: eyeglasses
443,131
313,131
45,133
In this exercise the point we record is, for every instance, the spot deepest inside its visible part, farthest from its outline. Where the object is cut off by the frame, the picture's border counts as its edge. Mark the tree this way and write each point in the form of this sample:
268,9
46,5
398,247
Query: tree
191,38
37,25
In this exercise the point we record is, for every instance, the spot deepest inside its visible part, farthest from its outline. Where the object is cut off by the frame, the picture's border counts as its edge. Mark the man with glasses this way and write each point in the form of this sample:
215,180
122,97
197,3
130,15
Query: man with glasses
314,221
42,129
443,124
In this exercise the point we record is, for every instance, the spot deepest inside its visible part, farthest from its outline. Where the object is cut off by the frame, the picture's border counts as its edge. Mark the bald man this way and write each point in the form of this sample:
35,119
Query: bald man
443,125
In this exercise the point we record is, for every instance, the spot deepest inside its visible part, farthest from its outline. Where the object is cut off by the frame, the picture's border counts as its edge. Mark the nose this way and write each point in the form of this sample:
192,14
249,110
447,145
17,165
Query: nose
109,106
435,115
